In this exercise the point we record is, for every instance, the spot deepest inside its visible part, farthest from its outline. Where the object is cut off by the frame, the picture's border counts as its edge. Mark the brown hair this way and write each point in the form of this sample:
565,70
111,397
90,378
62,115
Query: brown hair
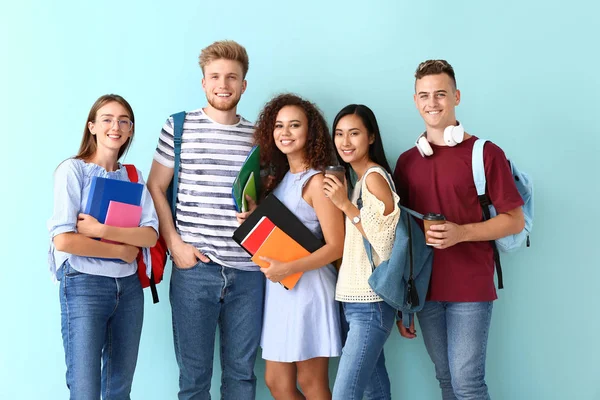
88,142
435,67
224,49
319,146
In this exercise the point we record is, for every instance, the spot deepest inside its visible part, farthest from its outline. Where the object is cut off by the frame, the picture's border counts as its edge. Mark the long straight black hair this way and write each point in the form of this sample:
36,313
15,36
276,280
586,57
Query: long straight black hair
376,152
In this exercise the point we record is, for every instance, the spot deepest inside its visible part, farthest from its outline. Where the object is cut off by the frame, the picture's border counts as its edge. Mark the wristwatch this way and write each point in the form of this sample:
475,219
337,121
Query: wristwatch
356,220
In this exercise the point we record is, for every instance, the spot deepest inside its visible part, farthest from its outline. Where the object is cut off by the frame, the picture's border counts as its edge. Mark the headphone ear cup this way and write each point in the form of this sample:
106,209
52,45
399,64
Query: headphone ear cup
424,147
454,135
458,133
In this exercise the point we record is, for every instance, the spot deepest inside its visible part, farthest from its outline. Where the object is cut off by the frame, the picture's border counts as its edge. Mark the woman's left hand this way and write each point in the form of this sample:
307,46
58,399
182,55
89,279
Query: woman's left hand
89,226
335,190
276,271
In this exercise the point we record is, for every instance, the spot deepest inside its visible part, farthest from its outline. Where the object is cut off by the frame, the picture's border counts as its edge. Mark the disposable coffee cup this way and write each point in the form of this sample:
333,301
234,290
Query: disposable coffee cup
432,219
337,170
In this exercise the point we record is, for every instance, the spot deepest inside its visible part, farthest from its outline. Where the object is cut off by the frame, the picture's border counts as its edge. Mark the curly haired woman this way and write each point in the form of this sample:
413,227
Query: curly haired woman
301,327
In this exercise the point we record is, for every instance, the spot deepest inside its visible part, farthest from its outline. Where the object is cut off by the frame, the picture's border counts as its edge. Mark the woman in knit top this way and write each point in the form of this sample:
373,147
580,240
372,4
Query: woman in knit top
358,142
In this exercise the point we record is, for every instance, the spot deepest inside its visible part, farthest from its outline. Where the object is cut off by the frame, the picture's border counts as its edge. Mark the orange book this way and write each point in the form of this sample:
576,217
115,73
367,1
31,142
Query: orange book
281,247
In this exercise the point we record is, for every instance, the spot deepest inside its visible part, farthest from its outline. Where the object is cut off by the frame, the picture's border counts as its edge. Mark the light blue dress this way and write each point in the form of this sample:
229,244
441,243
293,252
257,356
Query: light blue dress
304,322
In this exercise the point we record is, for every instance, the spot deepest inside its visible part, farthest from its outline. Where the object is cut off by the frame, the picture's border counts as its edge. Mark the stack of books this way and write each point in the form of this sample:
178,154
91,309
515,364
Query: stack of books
273,231
115,203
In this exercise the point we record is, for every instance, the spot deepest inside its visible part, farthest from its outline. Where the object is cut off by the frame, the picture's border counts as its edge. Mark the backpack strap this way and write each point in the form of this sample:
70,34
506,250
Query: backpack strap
478,167
133,177
178,120
415,214
412,297
484,201
132,173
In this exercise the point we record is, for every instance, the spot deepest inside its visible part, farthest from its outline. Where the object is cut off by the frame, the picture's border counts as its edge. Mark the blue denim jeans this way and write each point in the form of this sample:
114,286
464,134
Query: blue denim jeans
361,370
455,335
202,298
101,324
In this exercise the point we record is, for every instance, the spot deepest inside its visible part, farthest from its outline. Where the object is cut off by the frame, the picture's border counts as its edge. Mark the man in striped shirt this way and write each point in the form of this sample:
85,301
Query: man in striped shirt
213,282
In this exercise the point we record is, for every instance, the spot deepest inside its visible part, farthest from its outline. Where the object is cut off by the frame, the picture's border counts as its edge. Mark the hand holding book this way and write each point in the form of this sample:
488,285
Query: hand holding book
242,216
273,249
277,271
89,226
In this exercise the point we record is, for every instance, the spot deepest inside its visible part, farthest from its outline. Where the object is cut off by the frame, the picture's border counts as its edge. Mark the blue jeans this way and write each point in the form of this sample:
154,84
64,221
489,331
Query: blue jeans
455,335
203,297
101,324
361,370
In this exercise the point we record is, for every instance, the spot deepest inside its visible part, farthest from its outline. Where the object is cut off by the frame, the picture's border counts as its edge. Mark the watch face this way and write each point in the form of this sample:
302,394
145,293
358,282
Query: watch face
356,220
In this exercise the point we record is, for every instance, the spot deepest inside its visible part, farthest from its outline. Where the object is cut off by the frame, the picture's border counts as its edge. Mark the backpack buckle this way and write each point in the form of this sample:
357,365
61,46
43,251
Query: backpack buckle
484,200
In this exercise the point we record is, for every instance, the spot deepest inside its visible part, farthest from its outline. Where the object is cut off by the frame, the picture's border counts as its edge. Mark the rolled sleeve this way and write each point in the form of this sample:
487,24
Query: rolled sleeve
149,216
165,153
501,187
68,183
67,199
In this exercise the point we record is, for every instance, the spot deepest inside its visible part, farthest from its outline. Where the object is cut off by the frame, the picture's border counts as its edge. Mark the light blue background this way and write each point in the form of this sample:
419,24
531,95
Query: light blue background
528,73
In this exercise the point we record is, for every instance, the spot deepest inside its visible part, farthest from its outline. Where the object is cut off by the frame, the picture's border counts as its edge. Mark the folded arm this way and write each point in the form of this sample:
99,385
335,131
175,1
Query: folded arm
81,245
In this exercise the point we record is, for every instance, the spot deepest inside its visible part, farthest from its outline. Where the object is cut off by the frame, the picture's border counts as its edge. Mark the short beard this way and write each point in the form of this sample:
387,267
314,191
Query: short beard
227,107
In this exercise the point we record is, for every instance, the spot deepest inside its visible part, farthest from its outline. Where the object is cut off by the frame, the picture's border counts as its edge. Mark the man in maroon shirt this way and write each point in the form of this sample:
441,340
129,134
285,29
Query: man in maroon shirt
436,176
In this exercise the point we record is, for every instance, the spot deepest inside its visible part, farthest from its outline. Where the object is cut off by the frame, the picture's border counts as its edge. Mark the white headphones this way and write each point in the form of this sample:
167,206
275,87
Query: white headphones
453,135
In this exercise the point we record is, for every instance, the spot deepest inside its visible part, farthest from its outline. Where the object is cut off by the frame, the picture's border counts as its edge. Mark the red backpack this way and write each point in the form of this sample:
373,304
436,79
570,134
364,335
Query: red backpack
158,253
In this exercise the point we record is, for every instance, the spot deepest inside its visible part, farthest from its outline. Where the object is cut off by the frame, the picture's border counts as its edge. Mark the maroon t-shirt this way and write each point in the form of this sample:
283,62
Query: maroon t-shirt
443,183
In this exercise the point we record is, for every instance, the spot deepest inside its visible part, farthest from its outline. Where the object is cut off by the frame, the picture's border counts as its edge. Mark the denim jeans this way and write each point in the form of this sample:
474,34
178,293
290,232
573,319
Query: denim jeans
361,370
455,335
101,324
204,297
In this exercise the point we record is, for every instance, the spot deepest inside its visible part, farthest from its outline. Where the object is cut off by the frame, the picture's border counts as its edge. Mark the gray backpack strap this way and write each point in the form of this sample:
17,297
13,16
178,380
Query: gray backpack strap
412,212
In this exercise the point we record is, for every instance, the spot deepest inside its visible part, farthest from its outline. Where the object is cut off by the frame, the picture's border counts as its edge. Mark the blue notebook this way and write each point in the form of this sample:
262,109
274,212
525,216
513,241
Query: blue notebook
103,190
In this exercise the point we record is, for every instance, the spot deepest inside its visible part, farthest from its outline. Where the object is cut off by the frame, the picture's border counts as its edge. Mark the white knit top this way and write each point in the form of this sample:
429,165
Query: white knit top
352,284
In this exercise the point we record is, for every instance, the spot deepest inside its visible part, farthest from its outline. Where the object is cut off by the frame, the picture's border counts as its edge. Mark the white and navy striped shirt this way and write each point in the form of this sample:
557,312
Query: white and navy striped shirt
211,157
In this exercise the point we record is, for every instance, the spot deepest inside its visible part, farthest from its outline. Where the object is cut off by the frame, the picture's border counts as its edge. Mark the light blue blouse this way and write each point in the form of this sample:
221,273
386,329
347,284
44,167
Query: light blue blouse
72,180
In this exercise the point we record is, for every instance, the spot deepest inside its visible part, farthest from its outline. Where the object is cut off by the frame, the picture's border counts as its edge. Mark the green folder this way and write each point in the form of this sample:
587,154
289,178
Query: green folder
247,180
250,190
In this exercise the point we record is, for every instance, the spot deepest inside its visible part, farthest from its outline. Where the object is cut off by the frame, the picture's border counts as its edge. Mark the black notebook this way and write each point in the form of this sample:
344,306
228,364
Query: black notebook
283,218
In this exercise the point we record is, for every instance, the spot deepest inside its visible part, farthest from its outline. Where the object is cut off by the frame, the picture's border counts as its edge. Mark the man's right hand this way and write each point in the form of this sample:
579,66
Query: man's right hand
186,256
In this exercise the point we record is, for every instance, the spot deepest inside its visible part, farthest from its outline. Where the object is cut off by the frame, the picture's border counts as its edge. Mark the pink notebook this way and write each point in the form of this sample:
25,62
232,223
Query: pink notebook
122,215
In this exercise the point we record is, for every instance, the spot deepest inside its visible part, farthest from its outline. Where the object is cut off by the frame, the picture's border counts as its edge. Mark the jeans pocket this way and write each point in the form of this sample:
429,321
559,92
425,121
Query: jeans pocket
383,312
193,267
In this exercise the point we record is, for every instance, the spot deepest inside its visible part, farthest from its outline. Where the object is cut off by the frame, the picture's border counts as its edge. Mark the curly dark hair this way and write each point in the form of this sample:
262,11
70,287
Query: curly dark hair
319,148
